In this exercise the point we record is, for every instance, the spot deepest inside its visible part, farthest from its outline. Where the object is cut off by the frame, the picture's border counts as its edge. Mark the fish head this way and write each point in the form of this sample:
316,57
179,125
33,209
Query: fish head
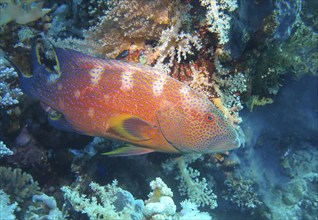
197,126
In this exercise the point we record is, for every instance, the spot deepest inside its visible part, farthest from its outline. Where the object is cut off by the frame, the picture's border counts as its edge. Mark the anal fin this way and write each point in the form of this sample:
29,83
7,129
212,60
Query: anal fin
129,150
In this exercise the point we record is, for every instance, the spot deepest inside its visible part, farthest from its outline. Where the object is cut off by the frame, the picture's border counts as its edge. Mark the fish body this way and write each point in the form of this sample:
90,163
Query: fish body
129,102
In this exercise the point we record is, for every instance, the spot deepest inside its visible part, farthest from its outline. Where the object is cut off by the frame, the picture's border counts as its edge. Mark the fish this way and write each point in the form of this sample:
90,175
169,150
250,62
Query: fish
137,104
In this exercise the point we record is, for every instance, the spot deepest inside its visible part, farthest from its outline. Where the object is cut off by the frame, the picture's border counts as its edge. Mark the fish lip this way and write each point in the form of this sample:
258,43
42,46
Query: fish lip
237,142
226,146
233,144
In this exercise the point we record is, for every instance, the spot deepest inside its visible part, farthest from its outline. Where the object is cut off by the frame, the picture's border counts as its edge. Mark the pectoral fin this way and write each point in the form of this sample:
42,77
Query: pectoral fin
131,127
129,150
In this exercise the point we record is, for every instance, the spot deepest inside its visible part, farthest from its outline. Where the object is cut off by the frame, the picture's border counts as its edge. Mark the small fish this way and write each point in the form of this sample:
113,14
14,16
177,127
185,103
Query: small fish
133,103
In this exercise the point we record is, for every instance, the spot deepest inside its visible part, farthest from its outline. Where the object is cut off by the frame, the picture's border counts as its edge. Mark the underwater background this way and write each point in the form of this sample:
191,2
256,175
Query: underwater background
256,60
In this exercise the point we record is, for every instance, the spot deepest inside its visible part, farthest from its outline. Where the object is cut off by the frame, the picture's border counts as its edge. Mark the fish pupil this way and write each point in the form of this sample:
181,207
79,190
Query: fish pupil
209,117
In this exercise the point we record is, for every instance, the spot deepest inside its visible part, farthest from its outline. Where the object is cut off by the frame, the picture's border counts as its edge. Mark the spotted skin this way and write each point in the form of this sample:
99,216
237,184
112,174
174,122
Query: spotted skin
91,92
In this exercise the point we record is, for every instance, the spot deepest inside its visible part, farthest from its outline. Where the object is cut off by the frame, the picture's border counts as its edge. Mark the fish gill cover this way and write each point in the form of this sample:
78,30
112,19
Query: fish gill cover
253,63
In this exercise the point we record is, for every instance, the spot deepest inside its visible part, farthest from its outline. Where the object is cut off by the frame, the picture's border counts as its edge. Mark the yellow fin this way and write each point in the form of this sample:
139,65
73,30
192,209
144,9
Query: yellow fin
131,127
128,150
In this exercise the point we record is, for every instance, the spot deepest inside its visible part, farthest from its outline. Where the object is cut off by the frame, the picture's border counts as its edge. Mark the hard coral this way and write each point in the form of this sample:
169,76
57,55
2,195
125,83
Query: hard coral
4,151
9,90
107,202
6,210
44,207
160,204
19,185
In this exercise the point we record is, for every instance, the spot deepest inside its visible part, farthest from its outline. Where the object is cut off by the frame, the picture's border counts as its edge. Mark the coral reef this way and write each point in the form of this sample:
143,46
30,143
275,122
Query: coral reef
27,153
242,193
126,22
190,211
218,19
4,151
198,190
110,202
22,12
259,54
9,90
44,207
160,204
6,209
19,185
255,101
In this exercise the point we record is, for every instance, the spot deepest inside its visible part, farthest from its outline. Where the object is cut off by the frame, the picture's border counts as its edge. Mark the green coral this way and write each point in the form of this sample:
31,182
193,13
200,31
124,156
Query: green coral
297,55
19,185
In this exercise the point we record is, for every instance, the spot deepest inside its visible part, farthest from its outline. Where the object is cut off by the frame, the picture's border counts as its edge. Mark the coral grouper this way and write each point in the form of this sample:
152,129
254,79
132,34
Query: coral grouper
133,103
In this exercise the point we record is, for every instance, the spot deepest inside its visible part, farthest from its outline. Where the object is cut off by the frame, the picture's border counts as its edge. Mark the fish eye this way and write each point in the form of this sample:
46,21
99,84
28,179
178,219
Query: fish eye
209,117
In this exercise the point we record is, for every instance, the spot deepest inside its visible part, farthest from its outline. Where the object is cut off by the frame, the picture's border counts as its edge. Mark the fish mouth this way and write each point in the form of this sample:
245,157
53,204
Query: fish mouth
226,146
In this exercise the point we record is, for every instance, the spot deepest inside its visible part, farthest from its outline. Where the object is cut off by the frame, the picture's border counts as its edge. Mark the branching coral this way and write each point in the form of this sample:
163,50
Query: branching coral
6,210
112,202
19,185
218,18
109,202
196,189
229,87
4,151
242,193
9,90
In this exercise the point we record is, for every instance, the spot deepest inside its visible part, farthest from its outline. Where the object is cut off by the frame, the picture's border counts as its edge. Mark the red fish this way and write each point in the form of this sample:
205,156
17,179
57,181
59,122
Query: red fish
133,103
